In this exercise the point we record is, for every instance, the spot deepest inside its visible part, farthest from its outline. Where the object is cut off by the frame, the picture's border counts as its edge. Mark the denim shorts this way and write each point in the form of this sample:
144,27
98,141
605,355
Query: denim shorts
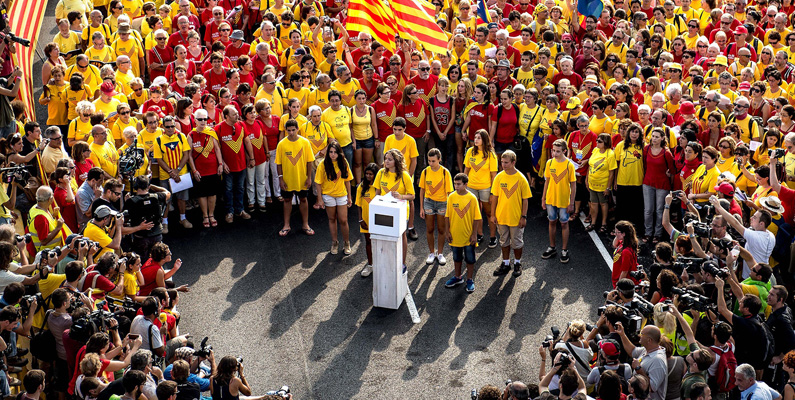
433,207
466,253
500,148
331,201
366,143
555,213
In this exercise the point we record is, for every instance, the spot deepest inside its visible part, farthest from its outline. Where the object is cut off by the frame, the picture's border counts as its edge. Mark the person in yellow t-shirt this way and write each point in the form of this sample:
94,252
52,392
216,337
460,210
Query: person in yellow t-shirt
403,143
294,160
364,195
130,47
560,187
103,153
346,86
150,133
706,177
99,230
395,180
509,197
435,184
333,183
601,174
463,219
480,166
339,118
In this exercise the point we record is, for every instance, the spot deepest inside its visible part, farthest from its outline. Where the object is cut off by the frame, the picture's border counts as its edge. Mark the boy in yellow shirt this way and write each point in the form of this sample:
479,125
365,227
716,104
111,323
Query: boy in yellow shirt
560,186
510,192
463,220
294,160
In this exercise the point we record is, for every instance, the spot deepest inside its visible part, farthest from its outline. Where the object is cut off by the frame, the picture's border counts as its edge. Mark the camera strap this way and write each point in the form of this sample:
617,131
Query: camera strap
576,357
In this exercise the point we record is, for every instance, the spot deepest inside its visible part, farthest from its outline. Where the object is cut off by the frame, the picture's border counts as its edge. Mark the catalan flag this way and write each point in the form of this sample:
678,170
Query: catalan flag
373,17
25,18
415,23
483,12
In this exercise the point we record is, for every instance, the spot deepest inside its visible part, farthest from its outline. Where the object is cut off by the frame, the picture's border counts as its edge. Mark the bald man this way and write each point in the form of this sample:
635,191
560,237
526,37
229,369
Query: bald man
653,362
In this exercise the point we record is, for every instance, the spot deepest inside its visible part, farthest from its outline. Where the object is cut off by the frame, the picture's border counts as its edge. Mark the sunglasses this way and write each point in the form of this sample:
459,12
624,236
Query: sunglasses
125,113
201,119
425,69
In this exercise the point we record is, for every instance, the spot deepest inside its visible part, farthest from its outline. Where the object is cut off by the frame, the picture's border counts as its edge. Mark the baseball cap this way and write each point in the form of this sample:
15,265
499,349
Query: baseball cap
610,348
573,103
184,352
103,212
725,188
740,30
566,36
744,87
492,25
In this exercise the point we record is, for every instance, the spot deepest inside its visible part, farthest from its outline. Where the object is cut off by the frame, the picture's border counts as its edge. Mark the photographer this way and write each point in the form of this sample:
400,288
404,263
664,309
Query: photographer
666,281
653,362
609,352
611,318
9,88
758,283
154,274
7,252
186,390
145,328
98,230
759,241
58,321
101,276
225,381
622,294
663,259
748,333
196,372
780,324
78,250
698,360
86,193
579,349
47,232
569,381
787,197
141,361
146,206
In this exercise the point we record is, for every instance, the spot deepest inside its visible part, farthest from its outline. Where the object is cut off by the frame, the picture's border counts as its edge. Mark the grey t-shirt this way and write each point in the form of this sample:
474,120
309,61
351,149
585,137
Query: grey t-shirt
656,366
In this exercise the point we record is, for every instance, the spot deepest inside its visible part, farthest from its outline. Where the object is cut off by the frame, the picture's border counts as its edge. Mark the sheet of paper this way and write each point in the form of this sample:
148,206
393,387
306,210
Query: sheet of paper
185,182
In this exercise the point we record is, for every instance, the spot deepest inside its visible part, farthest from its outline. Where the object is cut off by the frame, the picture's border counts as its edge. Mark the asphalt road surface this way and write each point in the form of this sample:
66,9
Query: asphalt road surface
301,317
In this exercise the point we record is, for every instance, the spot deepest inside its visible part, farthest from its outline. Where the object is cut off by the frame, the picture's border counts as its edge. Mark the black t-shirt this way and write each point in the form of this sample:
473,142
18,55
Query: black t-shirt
780,324
114,387
750,342
147,207
188,391
27,148
99,201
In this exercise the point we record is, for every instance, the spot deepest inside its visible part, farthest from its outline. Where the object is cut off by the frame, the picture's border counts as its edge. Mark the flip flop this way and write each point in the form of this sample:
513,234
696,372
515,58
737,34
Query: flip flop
308,231
284,232
603,229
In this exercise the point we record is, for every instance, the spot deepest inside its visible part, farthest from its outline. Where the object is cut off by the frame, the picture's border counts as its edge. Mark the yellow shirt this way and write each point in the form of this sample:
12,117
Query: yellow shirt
437,184
108,108
105,157
347,90
57,111
407,146
363,199
171,149
340,122
302,96
630,165
462,212
600,125
130,283
546,122
320,99
704,181
130,48
480,169
133,8
103,55
510,191
118,128
789,168
599,167
559,175
147,139
277,99
335,188
99,235
66,45
387,182
317,135
79,130
293,157
301,122
725,164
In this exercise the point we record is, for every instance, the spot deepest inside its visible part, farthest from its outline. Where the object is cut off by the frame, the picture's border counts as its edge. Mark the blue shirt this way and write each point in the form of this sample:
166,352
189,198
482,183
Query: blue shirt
204,383
759,391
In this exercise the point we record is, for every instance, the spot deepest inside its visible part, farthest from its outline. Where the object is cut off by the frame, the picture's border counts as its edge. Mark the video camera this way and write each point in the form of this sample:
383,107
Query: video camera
15,173
132,160
634,312
776,153
691,299
204,349
283,392
690,264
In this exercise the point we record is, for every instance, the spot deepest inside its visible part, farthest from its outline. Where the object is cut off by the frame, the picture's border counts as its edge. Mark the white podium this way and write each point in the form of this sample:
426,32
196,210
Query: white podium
388,218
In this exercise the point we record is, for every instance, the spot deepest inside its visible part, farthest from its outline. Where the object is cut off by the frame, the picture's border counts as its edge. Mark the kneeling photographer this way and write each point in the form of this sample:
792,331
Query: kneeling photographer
624,292
196,370
562,379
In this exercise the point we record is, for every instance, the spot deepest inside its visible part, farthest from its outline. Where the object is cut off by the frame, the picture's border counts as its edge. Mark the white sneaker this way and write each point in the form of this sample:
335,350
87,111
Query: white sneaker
441,259
367,270
431,258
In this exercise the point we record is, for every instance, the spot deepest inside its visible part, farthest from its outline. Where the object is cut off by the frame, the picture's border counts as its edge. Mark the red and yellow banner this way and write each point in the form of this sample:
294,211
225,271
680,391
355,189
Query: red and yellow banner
412,19
25,18
373,17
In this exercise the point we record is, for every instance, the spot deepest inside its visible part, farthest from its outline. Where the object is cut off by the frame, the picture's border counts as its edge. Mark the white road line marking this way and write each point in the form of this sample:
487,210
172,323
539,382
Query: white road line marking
599,245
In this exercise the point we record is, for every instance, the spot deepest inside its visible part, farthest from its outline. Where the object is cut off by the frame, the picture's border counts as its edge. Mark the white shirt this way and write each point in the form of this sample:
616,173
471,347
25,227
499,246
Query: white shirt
760,244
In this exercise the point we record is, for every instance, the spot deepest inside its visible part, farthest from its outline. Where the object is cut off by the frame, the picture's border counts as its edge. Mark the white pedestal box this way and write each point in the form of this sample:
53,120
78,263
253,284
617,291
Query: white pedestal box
388,218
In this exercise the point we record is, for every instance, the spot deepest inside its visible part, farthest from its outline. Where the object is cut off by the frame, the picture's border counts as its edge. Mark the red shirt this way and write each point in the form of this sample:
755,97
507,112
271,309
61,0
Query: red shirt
211,32
232,148
164,105
656,168
68,210
259,65
81,170
372,94
787,197
426,88
234,52
624,260
575,79
204,153
102,283
272,133
215,81
585,144
442,113
255,133
479,117
190,71
166,55
385,114
178,38
416,118
149,271
506,124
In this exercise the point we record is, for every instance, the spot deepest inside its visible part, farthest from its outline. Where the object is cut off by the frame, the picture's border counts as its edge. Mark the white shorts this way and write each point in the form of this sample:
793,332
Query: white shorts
330,201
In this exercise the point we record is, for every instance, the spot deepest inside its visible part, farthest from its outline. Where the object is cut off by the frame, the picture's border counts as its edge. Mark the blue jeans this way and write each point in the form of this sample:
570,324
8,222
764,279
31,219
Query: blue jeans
235,189
557,213
8,130
466,253
348,152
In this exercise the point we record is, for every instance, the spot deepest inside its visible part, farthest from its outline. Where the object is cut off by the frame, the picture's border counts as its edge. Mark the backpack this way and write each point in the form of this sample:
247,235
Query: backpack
42,344
770,347
724,373
620,371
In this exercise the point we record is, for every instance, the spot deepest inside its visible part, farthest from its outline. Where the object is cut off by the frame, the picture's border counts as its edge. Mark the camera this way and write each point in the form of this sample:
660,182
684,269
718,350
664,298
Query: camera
239,360
46,255
564,361
15,173
85,242
125,214
121,261
638,275
326,21
702,229
676,193
712,268
205,349
26,301
27,238
691,299
284,392
10,37
691,264
132,160
776,153
549,339
724,244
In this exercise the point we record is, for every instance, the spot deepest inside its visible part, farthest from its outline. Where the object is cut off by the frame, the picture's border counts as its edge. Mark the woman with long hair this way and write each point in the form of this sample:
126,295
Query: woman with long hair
601,174
224,385
787,116
759,105
394,179
418,122
625,255
184,115
706,177
385,113
771,141
81,153
65,197
270,125
726,146
365,132
714,132
480,166
213,113
333,185
463,97
477,114
13,145
364,194
658,164
504,123
629,178
443,126
692,162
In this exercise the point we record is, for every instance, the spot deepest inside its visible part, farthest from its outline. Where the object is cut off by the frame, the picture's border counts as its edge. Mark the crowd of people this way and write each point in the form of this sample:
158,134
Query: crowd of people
665,126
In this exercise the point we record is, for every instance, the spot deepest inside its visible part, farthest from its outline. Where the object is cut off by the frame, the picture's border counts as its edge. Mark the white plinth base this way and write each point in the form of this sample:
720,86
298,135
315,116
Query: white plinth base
390,284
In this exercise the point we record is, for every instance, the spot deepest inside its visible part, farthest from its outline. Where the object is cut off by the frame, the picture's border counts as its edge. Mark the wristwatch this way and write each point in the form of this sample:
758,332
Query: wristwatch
524,216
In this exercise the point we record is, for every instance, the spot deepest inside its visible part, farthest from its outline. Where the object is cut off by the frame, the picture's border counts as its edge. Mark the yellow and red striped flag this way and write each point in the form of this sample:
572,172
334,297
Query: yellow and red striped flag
415,22
25,18
373,17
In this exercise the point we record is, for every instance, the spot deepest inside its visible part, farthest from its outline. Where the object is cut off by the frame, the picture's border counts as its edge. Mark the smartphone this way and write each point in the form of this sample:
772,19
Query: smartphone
133,336
735,252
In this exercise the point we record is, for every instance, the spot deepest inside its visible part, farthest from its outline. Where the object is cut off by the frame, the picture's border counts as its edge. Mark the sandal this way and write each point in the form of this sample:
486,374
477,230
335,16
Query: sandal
603,229
284,232
269,200
280,198
206,222
213,222
587,219
308,231
590,227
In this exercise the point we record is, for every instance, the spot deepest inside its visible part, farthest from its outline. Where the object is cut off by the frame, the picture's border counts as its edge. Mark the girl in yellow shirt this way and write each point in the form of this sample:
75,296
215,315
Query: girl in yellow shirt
333,183
364,195
480,165
435,184
394,179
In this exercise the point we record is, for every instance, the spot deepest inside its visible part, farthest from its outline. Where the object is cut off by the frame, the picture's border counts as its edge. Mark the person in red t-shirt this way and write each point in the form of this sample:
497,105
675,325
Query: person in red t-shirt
258,174
181,35
625,256
236,159
504,123
216,76
212,30
65,198
157,100
425,82
786,194
237,47
208,164
160,56
154,274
